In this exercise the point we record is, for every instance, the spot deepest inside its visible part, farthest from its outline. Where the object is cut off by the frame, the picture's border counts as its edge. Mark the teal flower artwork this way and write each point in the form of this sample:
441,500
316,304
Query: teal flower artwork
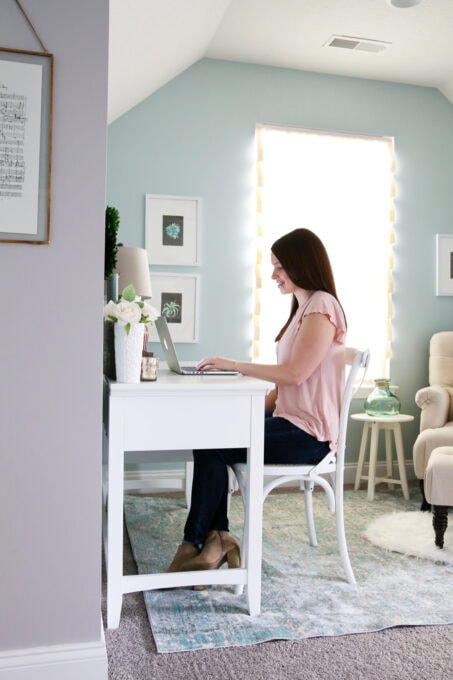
171,309
173,230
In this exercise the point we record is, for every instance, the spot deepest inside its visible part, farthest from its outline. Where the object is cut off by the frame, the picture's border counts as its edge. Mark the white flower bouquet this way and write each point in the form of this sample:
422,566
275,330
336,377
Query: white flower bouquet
129,310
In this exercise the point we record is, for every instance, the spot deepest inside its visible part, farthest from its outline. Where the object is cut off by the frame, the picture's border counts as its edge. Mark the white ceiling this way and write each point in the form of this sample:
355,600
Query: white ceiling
153,41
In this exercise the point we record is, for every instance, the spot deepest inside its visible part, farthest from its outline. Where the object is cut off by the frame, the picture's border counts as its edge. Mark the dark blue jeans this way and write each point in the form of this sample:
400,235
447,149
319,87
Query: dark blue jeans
283,443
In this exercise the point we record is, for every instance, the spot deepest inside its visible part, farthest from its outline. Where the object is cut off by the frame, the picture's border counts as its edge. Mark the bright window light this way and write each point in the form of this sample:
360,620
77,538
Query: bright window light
341,187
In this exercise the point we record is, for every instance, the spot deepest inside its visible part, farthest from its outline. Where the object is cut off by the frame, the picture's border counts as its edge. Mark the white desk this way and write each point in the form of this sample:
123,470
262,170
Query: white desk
174,413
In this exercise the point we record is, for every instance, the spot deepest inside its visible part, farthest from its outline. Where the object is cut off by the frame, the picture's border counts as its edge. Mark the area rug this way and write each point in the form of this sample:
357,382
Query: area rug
411,533
304,592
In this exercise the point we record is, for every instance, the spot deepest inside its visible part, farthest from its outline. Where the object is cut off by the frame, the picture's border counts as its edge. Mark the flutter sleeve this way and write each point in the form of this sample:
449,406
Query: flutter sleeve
325,303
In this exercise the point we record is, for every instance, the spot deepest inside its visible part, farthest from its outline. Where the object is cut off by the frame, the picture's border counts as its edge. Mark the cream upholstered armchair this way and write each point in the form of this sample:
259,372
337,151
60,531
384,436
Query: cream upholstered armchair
436,403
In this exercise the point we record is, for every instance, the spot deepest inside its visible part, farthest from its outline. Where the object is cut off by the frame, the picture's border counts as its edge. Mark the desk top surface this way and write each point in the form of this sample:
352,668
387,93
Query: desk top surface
167,381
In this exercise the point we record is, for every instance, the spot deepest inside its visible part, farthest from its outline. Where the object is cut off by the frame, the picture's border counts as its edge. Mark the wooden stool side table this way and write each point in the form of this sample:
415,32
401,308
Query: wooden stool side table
373,425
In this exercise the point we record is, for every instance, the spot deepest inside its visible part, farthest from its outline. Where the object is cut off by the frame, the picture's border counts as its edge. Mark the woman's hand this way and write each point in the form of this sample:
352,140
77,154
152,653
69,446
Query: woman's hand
219,363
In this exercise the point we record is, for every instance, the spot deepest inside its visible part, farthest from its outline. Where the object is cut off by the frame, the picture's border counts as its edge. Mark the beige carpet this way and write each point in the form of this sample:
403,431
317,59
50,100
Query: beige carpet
402,653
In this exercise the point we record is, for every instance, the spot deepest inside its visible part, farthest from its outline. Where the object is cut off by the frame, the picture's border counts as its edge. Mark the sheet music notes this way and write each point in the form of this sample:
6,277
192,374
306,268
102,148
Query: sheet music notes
12,139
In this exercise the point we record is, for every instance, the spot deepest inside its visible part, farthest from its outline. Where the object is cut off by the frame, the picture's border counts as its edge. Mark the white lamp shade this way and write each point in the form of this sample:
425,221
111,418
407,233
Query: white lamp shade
403,4
132,266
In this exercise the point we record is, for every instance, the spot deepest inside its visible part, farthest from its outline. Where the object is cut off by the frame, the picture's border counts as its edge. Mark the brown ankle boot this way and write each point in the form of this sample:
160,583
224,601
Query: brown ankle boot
184,554
219,547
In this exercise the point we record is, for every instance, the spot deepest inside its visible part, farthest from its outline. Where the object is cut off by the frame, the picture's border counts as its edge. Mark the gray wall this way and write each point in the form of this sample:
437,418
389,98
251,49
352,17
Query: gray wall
51,352
195,137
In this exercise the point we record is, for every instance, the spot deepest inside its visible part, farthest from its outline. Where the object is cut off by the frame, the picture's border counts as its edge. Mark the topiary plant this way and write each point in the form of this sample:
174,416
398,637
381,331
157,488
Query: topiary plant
112,223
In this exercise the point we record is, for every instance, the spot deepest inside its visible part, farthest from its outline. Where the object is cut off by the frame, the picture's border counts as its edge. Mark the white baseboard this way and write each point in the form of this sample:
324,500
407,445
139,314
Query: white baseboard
57,662
155,480
174,480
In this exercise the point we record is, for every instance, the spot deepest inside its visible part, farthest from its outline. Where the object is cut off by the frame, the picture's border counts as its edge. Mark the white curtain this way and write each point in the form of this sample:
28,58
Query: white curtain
341,186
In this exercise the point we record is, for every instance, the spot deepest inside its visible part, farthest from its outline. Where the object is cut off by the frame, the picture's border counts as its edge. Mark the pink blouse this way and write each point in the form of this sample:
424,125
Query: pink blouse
315,405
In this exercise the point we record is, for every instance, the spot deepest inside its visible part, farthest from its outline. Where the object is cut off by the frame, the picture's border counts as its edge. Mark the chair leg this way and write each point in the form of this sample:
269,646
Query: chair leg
308,498
425,506
232,486
440,523
342,545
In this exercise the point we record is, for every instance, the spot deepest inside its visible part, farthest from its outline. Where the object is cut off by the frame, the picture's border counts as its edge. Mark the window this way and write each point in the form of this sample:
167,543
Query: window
341,187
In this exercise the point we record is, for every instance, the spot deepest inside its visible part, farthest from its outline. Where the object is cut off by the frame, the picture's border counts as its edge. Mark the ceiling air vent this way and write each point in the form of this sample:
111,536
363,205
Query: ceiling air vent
347,42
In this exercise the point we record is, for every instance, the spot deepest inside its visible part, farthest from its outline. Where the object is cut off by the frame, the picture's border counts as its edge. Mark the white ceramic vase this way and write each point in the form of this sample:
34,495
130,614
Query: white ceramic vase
128,352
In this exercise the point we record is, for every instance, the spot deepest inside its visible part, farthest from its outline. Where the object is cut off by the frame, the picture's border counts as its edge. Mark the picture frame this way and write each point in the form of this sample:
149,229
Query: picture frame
444,261
172,230
176,296
26,82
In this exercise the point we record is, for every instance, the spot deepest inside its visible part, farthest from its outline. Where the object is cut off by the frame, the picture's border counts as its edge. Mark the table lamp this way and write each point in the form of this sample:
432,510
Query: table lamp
132,266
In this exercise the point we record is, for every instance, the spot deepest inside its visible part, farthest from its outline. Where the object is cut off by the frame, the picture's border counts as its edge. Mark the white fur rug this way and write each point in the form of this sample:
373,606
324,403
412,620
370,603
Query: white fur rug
411,533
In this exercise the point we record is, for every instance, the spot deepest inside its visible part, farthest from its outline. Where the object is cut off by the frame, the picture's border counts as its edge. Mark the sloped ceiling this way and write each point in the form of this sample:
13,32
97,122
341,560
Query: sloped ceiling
153,41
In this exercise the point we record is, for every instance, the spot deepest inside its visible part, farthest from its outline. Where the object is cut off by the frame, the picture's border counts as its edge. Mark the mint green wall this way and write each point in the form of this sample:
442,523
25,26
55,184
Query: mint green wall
195,137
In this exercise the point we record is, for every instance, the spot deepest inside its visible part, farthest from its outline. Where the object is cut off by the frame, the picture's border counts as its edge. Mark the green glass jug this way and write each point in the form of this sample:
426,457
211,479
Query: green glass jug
381,401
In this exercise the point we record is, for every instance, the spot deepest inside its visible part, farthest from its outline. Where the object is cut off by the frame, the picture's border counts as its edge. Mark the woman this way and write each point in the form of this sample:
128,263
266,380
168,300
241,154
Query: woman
302,411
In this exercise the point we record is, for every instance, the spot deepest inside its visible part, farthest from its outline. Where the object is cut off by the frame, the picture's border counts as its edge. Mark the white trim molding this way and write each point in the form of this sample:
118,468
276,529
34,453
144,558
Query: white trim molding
71,662
155,480
145,481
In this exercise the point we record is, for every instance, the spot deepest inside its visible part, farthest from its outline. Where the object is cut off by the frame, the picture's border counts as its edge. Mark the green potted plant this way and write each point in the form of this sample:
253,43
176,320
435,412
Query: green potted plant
112,223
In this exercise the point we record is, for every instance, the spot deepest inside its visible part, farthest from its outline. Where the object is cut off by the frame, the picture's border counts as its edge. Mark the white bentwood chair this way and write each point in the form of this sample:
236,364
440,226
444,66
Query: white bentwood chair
332,465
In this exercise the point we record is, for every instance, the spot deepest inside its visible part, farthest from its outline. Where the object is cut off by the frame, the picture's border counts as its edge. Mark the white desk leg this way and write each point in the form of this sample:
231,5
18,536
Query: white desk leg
363,442
401,461
188,482
372,462
389,455
254,511
115,500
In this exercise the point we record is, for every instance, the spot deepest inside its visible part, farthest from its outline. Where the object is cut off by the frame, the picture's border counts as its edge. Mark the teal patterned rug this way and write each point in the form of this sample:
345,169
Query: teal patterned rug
304,593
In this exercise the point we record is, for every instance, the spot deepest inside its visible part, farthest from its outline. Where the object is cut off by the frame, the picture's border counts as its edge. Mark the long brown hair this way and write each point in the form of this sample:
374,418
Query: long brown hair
304,258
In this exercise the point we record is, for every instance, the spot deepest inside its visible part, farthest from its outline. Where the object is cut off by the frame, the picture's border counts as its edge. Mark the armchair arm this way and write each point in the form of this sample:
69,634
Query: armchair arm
434,402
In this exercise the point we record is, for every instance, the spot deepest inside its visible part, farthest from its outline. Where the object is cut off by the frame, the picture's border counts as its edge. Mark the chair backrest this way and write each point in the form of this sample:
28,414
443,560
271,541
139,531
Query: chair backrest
356,360
441,358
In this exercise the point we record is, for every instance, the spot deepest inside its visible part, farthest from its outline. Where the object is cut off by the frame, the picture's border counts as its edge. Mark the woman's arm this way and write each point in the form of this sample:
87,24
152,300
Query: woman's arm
270,401
311,345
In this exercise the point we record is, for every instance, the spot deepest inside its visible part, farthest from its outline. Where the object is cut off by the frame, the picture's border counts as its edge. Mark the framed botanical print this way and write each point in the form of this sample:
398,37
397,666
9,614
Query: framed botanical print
172,230
175,296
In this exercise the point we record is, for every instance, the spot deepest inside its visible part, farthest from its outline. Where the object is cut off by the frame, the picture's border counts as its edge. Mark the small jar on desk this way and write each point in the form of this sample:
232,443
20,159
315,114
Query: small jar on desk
150,365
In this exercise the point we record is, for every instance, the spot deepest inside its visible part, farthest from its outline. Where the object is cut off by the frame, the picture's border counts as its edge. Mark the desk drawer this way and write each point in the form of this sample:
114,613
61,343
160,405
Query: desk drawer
172,422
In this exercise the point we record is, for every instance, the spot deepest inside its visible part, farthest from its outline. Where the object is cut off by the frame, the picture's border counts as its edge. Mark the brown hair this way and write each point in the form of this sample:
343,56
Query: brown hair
304,258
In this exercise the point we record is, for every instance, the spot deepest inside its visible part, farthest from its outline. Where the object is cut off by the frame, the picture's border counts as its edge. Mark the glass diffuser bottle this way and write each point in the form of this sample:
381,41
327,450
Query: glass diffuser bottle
381,401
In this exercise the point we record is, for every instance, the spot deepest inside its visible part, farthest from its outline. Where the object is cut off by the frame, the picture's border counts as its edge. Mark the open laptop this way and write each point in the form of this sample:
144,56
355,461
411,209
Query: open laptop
172,358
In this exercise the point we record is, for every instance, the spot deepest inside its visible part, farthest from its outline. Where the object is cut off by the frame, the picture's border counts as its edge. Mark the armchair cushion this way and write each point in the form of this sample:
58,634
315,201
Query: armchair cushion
439,477
435,402
441,358
426,442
